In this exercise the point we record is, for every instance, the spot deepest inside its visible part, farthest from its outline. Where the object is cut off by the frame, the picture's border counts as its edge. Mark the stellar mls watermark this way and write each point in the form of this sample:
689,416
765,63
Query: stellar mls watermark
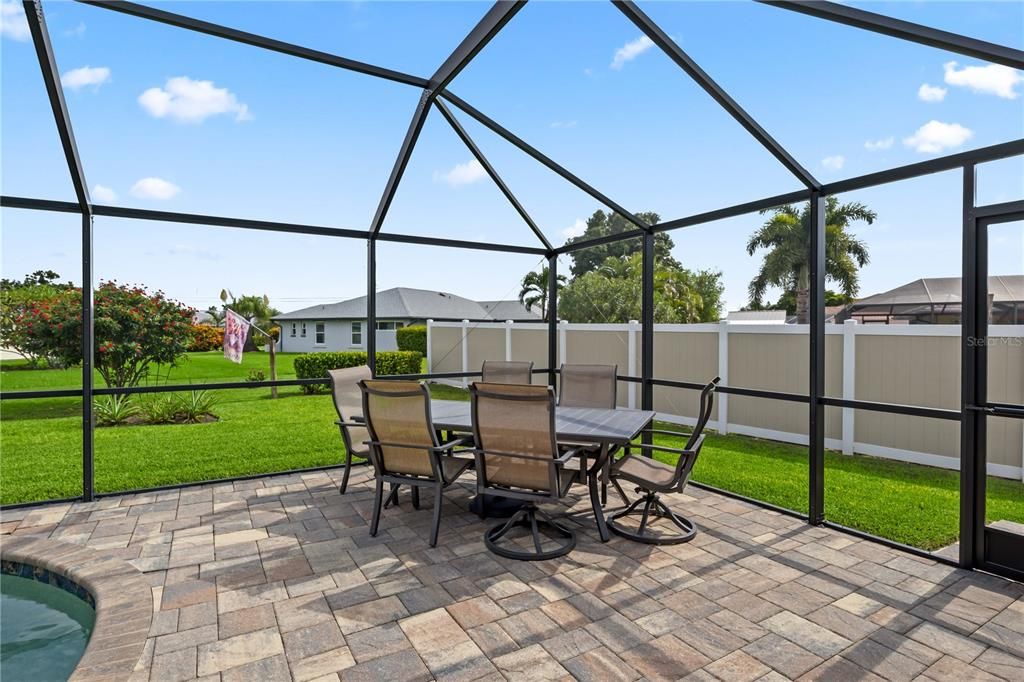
992,341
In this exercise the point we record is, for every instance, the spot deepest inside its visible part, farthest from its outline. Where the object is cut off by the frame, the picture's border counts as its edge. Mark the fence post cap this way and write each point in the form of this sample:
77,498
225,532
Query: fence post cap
850,321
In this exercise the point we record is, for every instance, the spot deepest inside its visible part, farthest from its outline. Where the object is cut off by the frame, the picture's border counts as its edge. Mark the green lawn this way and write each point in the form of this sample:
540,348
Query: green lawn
41,454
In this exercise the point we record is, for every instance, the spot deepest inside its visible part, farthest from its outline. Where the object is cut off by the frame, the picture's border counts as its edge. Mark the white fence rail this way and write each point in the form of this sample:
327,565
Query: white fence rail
907,364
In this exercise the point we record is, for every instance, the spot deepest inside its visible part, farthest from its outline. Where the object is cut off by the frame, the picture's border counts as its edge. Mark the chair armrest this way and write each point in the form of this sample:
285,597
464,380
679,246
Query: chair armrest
448,446
665,432
352,424
568,455
662,448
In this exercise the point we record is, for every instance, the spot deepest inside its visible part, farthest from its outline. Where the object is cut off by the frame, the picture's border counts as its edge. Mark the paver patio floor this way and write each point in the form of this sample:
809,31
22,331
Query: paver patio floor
277,578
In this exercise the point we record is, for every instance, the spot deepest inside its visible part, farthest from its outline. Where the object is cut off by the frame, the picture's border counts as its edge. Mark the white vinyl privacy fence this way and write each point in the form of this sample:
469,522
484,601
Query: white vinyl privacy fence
904,364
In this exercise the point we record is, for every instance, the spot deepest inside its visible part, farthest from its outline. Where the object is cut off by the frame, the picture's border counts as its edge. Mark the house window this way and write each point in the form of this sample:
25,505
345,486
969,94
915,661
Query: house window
303,330
357,333
389,326
320,334
293,328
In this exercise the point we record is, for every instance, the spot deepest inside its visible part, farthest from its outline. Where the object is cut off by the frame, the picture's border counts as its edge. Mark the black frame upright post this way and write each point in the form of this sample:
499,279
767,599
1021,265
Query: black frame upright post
55,93
371,305
972,383
552,317
816,352
647,327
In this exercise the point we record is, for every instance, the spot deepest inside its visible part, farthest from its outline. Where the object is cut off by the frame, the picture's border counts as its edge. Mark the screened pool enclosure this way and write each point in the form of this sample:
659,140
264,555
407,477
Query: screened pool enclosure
993,549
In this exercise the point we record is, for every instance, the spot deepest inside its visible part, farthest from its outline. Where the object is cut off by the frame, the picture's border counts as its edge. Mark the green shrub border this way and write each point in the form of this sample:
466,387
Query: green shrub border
316,365
412,338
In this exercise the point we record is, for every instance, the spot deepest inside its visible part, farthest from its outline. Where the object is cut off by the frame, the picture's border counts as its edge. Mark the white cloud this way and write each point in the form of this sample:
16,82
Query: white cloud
191,101
931,93
630,51
877,145
576,229
833,162
76,79
563,124
462,174
994,79
155,188
77,31
13,23
934,136
104,193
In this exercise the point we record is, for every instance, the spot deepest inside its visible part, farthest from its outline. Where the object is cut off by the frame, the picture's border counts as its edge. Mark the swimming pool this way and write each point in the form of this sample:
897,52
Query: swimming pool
44,629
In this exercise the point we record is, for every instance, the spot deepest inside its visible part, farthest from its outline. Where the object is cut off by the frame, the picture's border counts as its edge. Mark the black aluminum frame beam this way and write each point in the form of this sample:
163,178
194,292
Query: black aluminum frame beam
495,178
500,14
255,40
816,359
55,92
540,157
905,30
692,69
733,211
419,117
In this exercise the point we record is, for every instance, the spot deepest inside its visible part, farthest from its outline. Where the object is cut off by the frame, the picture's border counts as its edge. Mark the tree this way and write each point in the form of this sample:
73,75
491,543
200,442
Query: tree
534,291
612,293
134,330
787,301
785,234
602,224
18,297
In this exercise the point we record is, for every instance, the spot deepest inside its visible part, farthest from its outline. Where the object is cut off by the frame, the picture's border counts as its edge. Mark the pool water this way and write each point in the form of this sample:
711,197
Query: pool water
43,630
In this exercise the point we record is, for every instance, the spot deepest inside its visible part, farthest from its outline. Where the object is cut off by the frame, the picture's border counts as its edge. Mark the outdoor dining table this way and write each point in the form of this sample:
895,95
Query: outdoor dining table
606,427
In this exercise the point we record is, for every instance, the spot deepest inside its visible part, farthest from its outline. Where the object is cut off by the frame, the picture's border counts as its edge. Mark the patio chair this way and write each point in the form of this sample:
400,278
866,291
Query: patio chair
348,403
518,458
501,372
404,448
652,477
590,386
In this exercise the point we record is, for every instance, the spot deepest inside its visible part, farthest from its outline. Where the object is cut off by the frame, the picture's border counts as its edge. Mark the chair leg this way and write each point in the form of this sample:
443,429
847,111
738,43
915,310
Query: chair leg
415,497
393,497
652,501
531,517
378,496
348,468
620,491
438,501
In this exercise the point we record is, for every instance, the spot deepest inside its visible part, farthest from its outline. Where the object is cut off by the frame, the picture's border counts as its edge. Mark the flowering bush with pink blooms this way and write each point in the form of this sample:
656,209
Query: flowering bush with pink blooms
134,329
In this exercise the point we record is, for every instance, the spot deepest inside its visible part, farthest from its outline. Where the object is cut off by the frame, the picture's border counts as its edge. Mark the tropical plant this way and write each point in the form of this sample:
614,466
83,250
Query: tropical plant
191,407
114,410
134,330
17,298
785,235
256,376
158,408
534,291
205,337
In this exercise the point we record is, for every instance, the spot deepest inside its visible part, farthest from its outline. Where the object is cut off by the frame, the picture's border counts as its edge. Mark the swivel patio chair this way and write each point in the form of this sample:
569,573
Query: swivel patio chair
517,457
652,477
348,403
505,372
404,448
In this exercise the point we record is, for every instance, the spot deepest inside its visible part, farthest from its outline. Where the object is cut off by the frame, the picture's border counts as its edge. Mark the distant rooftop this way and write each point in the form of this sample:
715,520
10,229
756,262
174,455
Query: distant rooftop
404,303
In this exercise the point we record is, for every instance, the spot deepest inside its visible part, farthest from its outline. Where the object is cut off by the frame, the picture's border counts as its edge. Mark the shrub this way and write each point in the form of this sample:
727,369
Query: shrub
256,375
412,338
315,365
205,337
114,410
158,408
191,407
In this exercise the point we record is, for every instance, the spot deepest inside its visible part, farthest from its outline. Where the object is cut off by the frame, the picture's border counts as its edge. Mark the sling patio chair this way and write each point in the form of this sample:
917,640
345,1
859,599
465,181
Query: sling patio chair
506,372
517,457
652,477
593,386
404,448
348,403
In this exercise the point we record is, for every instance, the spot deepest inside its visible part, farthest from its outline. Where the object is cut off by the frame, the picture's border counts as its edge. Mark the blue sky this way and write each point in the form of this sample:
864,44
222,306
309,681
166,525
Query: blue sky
173,120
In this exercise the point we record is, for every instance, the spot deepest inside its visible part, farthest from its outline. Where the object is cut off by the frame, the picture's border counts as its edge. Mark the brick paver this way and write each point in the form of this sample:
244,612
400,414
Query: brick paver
277,578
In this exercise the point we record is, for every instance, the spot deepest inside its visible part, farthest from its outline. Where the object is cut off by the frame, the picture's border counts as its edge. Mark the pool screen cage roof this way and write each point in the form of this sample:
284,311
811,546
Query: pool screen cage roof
436,95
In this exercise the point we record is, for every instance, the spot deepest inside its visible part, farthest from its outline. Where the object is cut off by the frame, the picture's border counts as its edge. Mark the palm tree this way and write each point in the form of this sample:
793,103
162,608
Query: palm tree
786,236
534,290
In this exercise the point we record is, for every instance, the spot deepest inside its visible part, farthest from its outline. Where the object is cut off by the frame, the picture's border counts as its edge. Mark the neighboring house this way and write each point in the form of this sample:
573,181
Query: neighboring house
936,300
342,325
510,310
756,317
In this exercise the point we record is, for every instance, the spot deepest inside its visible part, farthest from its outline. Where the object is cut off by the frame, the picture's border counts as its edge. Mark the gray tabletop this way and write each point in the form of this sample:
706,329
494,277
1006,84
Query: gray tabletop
571,423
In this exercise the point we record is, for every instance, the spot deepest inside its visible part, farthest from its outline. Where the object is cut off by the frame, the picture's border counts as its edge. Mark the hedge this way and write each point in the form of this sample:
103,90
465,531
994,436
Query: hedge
412,338
315,365
205,337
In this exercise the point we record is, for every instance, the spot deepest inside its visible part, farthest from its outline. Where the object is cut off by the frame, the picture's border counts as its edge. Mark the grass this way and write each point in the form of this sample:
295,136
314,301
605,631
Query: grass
41,446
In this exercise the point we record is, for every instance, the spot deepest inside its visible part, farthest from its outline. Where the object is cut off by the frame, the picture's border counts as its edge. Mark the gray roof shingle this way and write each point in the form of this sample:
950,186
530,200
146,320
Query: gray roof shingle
400,303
